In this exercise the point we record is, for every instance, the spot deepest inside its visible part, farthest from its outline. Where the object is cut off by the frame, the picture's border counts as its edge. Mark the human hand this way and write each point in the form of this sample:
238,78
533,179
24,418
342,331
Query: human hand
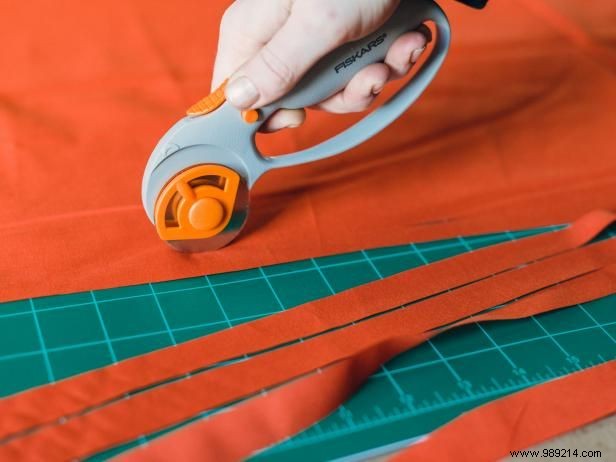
266,46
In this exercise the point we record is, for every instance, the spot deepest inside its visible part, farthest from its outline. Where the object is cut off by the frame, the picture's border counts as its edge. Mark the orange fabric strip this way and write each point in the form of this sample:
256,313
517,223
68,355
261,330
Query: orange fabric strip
51,402
521,420
582,289
267,419
524,147
163,406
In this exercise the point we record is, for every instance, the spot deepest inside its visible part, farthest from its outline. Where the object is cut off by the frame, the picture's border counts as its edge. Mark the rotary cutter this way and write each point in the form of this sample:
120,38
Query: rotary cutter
196,185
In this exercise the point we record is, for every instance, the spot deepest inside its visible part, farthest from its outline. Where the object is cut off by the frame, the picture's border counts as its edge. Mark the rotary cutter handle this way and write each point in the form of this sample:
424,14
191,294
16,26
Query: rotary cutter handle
196,184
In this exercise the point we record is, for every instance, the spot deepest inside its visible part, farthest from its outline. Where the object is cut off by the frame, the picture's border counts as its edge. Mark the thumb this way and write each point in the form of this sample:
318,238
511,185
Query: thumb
302,40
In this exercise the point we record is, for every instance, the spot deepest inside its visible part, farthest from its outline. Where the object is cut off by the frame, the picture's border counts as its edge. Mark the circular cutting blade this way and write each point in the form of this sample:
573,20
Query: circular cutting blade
234,227
180,181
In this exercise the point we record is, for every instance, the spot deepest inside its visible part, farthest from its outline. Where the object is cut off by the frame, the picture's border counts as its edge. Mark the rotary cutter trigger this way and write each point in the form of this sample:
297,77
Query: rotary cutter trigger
196,183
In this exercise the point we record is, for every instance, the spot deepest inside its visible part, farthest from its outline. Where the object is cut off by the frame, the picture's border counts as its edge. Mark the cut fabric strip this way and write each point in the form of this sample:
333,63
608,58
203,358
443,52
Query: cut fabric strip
51,402
265,420
576,291
521,420
164,406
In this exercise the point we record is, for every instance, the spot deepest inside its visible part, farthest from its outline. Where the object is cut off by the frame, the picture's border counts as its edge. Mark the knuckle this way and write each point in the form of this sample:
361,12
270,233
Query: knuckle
282,72
323,18
329,11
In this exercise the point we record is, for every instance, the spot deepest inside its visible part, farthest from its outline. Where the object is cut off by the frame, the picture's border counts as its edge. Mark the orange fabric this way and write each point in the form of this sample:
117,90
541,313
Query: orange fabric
516,131
521,420
163,406
268,419
43,405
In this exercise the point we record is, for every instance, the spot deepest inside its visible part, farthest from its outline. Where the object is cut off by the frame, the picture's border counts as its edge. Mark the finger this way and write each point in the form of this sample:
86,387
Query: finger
245,27
275,69
403,53
360,91
406,50
284,118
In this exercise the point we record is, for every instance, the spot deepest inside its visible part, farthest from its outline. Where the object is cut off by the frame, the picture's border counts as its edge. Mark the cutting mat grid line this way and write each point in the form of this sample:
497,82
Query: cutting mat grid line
409,396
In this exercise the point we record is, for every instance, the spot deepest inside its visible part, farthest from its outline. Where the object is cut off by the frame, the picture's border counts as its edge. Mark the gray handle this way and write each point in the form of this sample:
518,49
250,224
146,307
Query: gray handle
334,71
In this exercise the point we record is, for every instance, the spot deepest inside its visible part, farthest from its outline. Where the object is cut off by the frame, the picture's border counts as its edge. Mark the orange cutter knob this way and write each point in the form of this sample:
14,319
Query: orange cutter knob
210,103
206,213
250,116
197,203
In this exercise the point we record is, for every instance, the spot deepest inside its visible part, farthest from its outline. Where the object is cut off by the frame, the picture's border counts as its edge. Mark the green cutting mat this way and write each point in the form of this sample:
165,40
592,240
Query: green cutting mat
46,339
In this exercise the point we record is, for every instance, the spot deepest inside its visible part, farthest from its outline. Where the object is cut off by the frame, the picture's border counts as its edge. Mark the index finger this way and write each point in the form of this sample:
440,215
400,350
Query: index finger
245,27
